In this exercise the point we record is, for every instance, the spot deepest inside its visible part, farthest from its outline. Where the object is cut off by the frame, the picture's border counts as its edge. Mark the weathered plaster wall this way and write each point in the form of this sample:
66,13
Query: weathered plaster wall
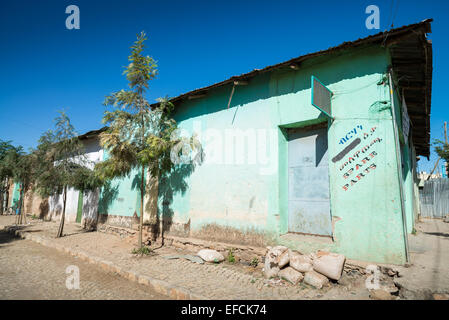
247,196
120,200
239,193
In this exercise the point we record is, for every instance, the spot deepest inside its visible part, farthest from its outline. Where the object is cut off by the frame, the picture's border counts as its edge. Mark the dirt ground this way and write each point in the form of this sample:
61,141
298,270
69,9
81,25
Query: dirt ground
428,274
429,251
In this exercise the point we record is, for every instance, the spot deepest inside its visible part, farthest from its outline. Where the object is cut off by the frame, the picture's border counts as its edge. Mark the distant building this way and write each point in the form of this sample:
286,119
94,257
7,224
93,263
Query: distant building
424,175
80,207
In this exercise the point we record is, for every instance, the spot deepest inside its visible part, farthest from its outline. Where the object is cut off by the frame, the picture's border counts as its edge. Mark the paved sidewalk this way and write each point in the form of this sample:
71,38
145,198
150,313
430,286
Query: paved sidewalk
30,271
177,278
429,250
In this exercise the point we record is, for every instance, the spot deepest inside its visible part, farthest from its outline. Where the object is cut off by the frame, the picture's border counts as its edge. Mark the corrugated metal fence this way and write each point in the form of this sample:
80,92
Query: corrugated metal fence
434,198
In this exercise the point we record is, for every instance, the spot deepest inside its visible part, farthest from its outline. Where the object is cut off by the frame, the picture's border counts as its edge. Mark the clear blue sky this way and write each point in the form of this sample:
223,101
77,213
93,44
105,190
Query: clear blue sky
46,67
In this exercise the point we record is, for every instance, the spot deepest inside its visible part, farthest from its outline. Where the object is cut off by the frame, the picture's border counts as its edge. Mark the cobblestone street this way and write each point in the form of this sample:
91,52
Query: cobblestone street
31,271
35,268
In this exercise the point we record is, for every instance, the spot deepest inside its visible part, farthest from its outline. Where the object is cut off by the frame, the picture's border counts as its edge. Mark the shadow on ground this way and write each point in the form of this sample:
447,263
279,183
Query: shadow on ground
438,234
6,237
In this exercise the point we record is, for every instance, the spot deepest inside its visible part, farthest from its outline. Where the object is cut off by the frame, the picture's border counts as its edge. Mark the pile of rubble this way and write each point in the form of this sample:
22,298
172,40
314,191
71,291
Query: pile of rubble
314,269
283,265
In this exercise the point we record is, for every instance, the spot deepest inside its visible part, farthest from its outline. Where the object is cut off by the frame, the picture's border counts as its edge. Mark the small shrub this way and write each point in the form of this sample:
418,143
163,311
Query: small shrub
142,251
254,262
231,258
414,231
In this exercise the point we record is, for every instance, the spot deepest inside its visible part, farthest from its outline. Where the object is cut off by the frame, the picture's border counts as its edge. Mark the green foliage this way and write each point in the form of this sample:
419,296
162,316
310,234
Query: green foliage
442,149
61,164
142,251
9,156
139,135
60,161
254,262
230,258
11,165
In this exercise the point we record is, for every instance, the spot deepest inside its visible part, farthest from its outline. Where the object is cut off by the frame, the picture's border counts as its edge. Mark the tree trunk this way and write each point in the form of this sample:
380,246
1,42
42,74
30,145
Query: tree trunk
2,194
61,225
20,205
7,196
142,191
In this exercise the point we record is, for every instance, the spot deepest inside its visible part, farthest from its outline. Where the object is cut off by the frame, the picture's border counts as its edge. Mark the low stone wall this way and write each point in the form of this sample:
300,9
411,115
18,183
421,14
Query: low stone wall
118,221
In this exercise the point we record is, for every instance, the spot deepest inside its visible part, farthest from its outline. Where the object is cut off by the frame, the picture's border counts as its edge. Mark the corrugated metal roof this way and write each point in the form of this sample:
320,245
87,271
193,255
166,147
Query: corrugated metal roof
391,38
379,37
92,133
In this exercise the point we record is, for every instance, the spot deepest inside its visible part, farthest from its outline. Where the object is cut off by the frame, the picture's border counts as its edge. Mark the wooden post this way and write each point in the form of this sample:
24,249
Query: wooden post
445,131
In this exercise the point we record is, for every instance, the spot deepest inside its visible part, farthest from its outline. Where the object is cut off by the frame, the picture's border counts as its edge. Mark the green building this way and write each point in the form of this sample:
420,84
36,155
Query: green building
276,169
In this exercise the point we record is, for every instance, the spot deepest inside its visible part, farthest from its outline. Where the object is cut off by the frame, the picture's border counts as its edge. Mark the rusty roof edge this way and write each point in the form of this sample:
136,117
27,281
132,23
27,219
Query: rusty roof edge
347,44
91,133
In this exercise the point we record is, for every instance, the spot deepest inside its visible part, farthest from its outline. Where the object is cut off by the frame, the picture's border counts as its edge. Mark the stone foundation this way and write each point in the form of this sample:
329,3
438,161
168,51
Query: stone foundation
222,239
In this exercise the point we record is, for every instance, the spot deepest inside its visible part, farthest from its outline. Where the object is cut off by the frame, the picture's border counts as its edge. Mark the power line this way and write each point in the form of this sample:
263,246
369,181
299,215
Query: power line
394,15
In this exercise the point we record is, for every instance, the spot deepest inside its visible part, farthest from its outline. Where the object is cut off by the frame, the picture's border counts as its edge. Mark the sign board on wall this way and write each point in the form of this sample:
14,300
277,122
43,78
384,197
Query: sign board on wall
405,121
321,97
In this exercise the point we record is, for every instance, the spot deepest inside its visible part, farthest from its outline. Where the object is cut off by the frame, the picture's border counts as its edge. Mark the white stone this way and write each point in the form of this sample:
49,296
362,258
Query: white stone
300,262
210,255
329,264
291,275
315,279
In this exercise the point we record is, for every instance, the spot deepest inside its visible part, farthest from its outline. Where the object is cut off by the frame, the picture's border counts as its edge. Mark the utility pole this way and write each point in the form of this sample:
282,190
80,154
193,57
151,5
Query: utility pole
445,140
445,132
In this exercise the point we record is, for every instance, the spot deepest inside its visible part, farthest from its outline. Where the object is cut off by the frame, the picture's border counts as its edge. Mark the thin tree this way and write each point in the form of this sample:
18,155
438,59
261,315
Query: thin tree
442,147
62,164
24,172
139,136
9,154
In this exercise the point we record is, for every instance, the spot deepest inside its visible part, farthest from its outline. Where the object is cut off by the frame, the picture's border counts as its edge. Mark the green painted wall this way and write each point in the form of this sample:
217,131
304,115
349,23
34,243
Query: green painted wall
15,194
247,189
120,197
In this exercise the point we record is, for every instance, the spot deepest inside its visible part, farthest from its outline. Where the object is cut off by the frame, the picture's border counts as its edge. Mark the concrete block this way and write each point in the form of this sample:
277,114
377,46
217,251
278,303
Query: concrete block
210,255
144,280
160,286
291,275
132,276
315,279
329,264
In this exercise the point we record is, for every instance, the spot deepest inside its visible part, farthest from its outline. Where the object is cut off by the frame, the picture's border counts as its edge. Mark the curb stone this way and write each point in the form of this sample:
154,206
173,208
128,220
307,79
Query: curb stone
160,286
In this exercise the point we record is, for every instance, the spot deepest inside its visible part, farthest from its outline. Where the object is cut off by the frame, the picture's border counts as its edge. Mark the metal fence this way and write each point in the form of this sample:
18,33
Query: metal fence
434,198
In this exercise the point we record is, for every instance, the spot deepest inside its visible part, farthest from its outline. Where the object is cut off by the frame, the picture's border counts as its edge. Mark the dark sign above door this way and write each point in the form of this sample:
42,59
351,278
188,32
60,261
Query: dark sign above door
321,97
